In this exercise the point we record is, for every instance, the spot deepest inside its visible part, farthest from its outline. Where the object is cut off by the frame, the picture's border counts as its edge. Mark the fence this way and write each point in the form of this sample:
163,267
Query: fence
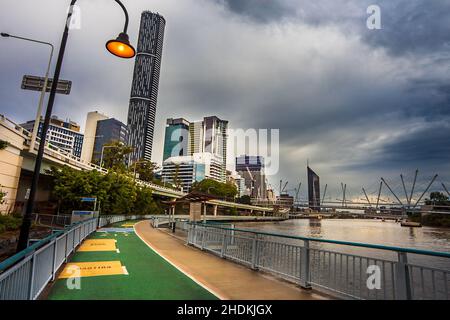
26,274
33,268
326,266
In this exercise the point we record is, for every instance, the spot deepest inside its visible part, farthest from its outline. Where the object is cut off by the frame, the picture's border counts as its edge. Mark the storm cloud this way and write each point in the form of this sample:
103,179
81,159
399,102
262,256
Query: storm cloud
357,103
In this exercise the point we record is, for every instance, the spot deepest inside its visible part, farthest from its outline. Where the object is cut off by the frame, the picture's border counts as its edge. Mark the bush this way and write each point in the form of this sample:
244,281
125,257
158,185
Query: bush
10,222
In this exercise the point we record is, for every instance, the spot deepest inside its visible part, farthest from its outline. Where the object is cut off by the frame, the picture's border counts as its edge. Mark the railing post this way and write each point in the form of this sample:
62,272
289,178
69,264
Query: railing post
194,241
203,238
255,252
305,276
30,292
66,254
224,244
55,247
403,285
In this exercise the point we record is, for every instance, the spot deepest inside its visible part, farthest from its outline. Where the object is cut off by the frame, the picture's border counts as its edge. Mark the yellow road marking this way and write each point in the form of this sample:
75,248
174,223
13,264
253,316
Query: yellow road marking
98,245
126,225
92,269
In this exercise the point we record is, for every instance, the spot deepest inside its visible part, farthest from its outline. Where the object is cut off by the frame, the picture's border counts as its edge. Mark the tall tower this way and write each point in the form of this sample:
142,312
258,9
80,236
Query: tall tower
313,190
144,90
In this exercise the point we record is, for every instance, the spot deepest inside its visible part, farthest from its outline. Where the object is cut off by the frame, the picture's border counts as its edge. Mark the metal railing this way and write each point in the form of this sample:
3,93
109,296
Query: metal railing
26,274
109,219
339,268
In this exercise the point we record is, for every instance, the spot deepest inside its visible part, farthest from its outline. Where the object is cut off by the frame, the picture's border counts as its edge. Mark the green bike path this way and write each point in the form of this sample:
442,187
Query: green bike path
149,277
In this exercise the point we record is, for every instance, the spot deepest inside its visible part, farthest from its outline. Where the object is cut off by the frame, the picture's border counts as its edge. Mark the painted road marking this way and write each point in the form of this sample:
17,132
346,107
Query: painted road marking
93,269
98,245
126,225
116,230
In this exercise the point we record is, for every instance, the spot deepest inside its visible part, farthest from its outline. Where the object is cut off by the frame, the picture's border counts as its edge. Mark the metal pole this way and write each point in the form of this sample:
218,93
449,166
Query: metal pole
404,188
101,157
26,224
384,181
379,194
44,89
413,186
445,188
366,197
428,187
324,193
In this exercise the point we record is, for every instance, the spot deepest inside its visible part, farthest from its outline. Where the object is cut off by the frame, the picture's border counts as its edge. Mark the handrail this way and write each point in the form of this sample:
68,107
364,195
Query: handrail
347,243
22,254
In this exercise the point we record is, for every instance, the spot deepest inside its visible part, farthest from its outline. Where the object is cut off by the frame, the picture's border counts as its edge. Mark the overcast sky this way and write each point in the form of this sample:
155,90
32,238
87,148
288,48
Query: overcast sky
358,103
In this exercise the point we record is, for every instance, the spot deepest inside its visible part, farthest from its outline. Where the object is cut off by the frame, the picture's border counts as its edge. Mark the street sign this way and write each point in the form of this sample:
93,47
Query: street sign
86,199
37,84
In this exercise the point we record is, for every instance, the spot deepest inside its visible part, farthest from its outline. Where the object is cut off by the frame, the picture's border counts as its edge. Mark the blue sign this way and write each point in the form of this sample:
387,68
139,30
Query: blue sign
88,199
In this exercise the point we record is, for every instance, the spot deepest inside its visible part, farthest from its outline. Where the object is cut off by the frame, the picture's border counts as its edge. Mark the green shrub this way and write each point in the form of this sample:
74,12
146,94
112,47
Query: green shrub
10,223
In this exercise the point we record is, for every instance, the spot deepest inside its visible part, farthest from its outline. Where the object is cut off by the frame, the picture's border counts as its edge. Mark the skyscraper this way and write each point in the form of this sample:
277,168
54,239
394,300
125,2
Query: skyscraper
108,130
210,135
251,168
313,190
176,138
144,90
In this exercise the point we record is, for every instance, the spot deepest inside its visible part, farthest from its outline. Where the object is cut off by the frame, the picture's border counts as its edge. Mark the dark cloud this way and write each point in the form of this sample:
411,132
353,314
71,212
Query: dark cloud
358,103
262,11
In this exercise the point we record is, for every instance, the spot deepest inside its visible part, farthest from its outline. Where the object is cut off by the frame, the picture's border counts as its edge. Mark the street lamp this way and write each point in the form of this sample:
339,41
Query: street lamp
120,48
44,89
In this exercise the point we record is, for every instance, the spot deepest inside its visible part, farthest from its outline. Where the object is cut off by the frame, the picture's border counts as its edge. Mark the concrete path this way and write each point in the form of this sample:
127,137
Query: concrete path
225,279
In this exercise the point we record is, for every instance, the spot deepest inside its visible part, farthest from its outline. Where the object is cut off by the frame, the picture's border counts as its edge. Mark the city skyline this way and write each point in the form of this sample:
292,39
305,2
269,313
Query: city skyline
393,121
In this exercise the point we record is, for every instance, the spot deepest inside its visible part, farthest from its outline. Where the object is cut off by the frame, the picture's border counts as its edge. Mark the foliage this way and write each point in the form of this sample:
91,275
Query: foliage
145,170
116,193
225,190
438,199
2,195
10,222
244,199
3,144
115,155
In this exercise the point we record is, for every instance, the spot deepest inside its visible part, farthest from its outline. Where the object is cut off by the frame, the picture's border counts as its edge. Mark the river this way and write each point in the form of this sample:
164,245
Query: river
371,231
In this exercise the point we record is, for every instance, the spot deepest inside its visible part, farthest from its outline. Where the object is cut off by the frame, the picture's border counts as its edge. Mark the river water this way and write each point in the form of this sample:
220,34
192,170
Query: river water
388,233
425,283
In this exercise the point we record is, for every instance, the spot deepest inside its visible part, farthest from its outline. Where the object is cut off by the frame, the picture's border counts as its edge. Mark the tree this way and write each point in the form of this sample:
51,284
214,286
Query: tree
116,192
145,169
224,190
244,199
437,198
115,155
3,144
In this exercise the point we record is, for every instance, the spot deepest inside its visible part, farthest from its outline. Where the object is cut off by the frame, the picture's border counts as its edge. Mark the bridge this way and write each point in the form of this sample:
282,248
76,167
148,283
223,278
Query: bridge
20,156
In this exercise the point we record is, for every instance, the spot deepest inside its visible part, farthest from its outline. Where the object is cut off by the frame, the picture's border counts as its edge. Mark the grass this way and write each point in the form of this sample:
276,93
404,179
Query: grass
150,276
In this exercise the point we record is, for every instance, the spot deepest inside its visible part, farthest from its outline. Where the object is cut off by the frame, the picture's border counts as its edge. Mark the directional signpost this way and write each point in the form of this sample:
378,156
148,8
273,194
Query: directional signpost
37,84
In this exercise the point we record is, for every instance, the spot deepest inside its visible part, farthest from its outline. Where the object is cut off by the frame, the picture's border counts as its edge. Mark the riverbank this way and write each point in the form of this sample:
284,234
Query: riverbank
433,220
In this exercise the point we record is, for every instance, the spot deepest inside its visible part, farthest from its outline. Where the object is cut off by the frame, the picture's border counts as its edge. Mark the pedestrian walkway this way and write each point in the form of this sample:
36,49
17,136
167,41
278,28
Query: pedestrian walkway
123,267
226,279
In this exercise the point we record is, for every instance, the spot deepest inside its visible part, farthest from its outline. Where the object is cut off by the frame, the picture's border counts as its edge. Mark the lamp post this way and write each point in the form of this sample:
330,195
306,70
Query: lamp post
44,89
119,47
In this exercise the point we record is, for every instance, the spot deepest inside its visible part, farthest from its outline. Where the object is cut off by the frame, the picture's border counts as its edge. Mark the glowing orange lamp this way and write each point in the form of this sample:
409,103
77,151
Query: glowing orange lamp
121,47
